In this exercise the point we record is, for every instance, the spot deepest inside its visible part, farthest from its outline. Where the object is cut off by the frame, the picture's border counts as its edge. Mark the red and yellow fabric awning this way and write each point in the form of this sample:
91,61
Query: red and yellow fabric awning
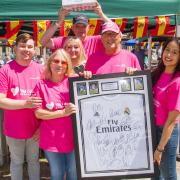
121,22
163,26
13,28
140,27
40,28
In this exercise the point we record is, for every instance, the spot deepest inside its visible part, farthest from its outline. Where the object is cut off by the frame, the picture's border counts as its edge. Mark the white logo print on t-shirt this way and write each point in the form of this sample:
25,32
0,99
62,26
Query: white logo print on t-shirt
15,91
50,106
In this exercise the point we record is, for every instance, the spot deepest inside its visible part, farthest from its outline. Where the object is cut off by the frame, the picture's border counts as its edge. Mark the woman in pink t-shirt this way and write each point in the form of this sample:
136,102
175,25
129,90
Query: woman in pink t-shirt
56,133
73,46
166,89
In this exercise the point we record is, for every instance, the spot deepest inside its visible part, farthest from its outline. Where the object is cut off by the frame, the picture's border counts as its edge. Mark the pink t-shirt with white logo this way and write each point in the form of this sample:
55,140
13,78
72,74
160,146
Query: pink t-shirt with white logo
166,97
101,63
91,44
56,135
18,82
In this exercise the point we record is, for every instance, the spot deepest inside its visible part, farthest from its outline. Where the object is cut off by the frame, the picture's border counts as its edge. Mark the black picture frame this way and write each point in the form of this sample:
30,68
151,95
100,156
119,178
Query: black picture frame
114,129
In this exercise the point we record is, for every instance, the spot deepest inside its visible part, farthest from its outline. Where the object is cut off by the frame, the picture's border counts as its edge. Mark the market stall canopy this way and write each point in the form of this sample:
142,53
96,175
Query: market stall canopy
48,9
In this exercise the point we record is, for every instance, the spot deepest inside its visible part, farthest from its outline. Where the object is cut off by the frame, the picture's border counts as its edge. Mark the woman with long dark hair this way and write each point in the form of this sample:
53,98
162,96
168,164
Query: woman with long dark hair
166,90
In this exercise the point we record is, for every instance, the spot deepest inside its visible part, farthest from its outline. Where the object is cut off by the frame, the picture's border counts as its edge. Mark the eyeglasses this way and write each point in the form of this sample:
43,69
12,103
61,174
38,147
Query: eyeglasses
56,61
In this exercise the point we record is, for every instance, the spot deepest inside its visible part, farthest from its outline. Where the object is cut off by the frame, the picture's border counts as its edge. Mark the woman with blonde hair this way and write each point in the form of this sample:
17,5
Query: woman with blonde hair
56,133
73,46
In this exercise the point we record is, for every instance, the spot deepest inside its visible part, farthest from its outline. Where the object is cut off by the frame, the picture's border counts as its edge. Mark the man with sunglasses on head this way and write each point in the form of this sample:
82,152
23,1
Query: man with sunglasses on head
112,59
79,29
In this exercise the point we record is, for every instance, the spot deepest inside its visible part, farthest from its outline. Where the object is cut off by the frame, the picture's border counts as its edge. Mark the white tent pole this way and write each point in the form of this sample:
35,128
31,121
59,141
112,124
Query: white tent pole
44,54
177,26
149,52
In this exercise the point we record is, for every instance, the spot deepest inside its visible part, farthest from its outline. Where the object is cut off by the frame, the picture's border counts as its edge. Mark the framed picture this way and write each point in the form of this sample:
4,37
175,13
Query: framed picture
114,126
93,87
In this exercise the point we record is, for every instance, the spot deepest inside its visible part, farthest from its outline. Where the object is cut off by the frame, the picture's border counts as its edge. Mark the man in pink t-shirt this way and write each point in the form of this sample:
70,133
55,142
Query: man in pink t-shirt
79,29
17,80
113,59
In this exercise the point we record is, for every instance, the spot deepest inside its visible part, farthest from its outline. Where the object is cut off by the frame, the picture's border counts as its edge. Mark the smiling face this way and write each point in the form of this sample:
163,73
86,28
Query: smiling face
24,51
58,66
73,48
111,41
80,30
171,56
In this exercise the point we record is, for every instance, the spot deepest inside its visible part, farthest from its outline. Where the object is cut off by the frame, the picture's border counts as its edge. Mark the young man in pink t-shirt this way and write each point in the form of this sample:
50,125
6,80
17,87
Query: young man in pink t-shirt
79,29
112,59
17,81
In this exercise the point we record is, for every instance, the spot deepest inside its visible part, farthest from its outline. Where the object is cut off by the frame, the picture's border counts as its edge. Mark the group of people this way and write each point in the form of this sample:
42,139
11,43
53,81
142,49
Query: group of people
37,107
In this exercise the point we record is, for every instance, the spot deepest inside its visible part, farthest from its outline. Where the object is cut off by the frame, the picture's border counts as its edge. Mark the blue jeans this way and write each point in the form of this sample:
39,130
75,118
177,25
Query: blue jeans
168,162
61,164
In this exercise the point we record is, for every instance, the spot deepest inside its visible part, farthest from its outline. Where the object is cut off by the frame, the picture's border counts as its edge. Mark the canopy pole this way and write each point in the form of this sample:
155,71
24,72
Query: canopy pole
44,54
177,25
149,52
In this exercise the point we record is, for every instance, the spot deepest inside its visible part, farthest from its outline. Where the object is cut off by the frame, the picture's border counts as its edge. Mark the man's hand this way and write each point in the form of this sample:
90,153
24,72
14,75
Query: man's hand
33,102
130,70
98,9
62,13
36,135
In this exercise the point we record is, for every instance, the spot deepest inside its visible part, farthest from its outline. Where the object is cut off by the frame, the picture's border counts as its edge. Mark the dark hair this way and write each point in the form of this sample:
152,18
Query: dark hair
71,33
161,67
24,37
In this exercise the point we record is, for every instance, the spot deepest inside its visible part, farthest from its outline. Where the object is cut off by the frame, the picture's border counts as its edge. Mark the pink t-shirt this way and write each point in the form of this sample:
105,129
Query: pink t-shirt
91,44
101,63
166,97
18,82
56,135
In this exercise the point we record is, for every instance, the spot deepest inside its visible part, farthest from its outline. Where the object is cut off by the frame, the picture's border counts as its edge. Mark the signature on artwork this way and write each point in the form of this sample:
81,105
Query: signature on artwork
113,149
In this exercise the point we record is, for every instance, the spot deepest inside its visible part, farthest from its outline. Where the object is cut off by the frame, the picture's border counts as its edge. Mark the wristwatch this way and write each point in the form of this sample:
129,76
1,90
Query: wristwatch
160,150
56,23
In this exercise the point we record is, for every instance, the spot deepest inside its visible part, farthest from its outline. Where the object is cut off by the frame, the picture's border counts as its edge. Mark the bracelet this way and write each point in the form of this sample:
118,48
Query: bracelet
160,150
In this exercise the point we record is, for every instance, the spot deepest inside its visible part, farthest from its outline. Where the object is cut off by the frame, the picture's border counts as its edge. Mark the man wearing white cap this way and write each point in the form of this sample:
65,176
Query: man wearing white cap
113,59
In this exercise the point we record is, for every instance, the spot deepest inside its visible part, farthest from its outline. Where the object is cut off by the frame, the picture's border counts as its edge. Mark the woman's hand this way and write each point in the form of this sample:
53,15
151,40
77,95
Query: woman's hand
69,109
157,157
86,74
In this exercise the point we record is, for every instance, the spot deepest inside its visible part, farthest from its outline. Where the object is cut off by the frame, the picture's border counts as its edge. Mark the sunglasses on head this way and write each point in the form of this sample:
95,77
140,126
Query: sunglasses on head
56,61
